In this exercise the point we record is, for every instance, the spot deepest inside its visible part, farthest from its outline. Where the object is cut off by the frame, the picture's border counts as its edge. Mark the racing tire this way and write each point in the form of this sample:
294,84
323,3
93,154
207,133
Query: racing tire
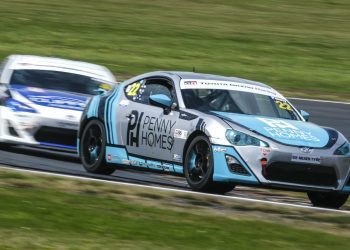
327,200
93,149
222,188
6,145
199,167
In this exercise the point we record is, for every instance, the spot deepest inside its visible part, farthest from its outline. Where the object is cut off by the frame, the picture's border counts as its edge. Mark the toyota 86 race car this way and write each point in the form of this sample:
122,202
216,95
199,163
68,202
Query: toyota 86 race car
42,99
216,131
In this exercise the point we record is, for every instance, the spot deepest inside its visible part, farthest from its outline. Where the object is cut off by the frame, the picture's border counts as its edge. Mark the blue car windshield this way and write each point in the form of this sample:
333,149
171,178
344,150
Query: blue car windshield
238,102
60,81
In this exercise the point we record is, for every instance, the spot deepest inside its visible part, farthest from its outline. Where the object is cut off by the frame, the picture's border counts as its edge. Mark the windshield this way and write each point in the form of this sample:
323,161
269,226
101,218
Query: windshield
58,80
239,102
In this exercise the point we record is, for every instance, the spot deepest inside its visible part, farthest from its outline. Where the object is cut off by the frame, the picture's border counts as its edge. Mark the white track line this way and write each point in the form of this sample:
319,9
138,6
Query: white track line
177,190
316,100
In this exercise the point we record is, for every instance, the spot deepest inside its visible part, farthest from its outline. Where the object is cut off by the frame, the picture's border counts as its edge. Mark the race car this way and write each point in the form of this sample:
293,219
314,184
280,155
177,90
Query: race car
216,131
42,99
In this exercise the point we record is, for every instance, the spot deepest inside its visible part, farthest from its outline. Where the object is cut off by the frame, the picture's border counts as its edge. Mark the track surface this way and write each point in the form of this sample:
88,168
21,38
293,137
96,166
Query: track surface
326,114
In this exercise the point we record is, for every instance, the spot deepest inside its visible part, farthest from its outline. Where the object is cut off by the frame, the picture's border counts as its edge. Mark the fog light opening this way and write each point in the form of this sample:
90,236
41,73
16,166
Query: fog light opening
263,165
235,166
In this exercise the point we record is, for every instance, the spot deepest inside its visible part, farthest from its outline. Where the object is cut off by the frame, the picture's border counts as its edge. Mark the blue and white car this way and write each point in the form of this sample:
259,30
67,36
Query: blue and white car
216,131
42,99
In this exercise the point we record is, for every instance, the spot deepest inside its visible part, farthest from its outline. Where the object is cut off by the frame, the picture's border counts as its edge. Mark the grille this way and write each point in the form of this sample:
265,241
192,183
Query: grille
238,169
11,129
67,137
306,174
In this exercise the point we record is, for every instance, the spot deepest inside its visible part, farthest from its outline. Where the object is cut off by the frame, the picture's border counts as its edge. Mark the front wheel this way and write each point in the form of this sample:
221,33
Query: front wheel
199,167
327,200
93,148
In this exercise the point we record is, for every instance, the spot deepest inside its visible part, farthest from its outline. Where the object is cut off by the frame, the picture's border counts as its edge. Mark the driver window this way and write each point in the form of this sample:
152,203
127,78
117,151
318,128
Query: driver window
141,91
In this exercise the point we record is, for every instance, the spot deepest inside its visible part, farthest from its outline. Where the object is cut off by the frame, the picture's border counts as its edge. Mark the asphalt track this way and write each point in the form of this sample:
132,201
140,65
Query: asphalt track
335,115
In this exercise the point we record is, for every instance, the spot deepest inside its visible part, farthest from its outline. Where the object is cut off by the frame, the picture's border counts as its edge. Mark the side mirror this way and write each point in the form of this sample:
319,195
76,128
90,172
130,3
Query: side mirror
161,101
305,115
100,91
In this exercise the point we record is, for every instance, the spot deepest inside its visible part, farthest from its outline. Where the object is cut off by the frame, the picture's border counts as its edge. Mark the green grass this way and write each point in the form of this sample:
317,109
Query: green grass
41,212
299,47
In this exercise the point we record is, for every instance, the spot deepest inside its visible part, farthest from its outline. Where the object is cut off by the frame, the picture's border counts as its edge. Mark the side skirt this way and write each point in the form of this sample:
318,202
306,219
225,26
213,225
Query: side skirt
118,156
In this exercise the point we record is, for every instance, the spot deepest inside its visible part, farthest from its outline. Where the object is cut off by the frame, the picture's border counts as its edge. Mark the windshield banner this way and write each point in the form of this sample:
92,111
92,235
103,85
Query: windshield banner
227,85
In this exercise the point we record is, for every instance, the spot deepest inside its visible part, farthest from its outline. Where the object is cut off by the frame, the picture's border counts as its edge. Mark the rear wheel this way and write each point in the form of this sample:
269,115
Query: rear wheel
93,148
327,200
199,167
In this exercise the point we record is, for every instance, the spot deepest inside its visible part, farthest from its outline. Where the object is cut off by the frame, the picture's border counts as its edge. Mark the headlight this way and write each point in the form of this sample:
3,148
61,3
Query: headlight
17,106
241,139
343,149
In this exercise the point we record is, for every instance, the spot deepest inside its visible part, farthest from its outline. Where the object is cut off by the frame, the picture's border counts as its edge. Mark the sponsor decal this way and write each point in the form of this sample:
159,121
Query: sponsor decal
284,130
181,134
191,83
265,151
58,102
126,162
113,157
177,157
124,103
167,167
219,149
283,104
306,150
150,131
306,159
228,85
163,166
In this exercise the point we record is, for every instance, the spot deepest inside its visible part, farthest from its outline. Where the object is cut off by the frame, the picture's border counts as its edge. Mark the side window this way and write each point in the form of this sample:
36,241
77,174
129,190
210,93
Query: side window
141,91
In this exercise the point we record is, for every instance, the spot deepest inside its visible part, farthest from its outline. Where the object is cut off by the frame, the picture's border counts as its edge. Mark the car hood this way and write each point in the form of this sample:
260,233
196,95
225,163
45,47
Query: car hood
52,98
289,132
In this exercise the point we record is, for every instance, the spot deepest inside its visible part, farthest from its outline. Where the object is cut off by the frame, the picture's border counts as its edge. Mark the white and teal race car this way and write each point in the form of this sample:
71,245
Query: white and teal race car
218,132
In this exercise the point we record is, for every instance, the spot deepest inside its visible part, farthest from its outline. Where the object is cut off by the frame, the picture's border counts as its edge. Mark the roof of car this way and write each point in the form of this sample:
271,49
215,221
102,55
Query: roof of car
27,61
202,76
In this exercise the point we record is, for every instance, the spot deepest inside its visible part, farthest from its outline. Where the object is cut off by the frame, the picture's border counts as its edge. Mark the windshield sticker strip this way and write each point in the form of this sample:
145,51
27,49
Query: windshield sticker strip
226,85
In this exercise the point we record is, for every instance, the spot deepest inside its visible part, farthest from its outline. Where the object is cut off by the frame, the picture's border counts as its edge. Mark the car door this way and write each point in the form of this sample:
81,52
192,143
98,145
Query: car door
148,131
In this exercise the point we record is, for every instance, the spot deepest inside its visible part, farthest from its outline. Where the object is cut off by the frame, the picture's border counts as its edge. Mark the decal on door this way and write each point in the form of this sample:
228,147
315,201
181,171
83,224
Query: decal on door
150,131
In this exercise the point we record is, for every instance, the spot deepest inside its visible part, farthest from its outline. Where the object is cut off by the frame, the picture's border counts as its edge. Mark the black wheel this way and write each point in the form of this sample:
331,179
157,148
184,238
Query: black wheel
327,200
6,145
92,148
199,167
222,188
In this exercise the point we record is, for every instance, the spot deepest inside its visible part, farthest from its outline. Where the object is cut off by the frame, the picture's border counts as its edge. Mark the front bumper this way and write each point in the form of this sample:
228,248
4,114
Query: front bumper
49,131
330,173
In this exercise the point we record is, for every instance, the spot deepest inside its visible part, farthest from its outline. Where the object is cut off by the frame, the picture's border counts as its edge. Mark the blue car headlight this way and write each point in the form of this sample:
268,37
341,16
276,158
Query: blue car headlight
343,149
17,106
241,139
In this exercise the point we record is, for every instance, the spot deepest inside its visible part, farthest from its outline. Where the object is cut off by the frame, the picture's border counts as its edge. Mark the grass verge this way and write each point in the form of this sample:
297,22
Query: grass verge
299,47
43,212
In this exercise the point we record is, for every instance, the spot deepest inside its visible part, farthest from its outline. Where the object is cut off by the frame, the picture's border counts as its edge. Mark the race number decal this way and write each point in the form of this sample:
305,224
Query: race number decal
105,86
134,88
283,105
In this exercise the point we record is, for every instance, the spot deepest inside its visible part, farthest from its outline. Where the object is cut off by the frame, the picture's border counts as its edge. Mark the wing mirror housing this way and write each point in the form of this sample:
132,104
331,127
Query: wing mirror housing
100,91
161,101
305,115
